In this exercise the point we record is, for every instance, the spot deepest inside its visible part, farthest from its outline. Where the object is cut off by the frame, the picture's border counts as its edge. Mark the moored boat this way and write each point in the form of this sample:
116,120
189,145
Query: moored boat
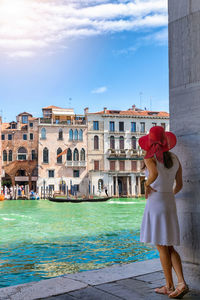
73,200
2,197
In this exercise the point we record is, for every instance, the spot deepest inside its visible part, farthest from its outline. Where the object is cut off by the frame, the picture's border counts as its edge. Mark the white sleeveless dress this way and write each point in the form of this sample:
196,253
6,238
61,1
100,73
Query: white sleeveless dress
160,222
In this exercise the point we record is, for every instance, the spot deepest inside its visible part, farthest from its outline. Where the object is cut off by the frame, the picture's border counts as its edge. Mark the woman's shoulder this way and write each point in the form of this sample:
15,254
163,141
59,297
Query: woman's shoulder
174,156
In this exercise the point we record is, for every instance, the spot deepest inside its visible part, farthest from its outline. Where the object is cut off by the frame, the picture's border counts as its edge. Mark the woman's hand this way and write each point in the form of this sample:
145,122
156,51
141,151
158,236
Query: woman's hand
149,190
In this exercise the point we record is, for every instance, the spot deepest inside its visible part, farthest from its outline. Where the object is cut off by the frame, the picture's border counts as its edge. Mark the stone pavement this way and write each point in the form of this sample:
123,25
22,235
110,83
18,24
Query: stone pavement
133,281
135,288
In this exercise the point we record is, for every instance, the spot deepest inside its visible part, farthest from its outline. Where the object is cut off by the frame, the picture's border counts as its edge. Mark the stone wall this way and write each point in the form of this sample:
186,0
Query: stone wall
184,78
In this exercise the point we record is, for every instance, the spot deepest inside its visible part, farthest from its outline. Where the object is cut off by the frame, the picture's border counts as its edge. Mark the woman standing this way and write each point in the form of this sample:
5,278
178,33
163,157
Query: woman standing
160,222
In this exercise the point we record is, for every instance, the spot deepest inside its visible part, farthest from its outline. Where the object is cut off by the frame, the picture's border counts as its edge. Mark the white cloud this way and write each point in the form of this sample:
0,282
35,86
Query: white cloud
21,54
100,90
161,36
35,24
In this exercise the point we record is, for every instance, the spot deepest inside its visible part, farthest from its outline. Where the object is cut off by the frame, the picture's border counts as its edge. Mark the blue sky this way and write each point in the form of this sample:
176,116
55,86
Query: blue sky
99,53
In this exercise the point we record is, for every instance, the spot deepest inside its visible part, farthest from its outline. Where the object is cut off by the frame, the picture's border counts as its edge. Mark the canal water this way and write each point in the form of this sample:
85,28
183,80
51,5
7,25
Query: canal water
43,239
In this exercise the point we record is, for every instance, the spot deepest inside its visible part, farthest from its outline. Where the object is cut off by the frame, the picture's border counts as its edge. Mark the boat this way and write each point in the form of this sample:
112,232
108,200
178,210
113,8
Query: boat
73,200
2,197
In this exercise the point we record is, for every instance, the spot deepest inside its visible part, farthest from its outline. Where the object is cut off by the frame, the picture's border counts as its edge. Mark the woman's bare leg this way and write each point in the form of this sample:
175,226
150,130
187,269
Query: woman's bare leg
176,263
166,263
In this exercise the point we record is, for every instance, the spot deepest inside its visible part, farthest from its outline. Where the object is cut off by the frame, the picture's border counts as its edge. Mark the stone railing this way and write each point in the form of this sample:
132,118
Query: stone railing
117,152
70,163
61,122
125,152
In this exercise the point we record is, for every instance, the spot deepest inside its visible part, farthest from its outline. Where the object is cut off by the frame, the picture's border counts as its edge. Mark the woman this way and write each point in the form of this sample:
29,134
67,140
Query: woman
160,223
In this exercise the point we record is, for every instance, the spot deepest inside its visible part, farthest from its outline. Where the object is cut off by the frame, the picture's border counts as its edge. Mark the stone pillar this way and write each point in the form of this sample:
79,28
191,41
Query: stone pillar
184,90
139,187
127,186
117,186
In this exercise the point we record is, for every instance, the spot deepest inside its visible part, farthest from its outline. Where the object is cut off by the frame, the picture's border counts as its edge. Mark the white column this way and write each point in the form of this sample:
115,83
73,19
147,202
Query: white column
127,185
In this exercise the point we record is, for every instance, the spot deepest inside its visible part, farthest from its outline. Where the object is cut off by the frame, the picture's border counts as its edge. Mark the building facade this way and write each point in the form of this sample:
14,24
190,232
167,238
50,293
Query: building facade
78,154
62,152
19,151
115,160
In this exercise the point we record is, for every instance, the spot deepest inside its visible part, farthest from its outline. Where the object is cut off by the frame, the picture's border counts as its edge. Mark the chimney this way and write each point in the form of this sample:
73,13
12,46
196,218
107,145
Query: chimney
104,110
133,107
86,110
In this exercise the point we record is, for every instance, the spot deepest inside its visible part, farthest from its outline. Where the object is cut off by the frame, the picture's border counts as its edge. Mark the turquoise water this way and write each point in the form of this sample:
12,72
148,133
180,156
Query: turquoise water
43,239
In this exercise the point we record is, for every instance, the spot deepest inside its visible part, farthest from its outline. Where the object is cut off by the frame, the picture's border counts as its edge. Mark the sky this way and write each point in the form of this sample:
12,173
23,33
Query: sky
82,53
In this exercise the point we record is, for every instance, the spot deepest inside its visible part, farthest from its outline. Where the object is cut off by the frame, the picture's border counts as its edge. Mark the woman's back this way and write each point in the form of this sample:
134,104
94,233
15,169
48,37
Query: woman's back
165,180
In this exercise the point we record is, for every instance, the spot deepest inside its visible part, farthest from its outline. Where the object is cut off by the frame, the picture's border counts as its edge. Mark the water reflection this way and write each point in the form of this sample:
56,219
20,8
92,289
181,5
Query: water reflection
42,239
69,255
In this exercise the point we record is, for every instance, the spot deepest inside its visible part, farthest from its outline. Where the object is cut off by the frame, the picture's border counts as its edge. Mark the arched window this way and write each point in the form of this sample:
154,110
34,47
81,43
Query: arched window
45,155
82,155
10,155
22,153
112,142
59,158
60,134
4,155
133,142
100,185
80,135
76,134
43,133
69,154
96,142
71,135
76,154
121,143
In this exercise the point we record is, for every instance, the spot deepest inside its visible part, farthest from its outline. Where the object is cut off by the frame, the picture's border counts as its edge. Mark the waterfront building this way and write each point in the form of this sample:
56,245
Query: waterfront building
61,131
19,141
78,154
115,159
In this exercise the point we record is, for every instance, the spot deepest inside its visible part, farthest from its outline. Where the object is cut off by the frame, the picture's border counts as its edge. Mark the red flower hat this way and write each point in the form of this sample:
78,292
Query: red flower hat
157,141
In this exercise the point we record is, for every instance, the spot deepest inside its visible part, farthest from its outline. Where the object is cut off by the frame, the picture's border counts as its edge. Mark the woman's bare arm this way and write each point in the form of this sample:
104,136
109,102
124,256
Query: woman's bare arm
153,173
179,180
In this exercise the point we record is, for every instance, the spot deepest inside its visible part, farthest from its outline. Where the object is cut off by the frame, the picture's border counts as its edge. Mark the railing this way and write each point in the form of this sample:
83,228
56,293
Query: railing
61,122
45,121
118,152
25,178
125,152
128,131
139,132
75,163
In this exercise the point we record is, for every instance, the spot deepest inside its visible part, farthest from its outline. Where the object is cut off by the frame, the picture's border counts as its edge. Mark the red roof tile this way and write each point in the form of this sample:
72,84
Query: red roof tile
51,106
24,113
5,126
133,113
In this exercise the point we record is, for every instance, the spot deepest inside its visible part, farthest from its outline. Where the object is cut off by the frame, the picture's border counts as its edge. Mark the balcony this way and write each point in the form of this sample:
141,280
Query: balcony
136,152
45,121
139,132
117,152
133,152
70,122
128,153
25,178
61,122
70,163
